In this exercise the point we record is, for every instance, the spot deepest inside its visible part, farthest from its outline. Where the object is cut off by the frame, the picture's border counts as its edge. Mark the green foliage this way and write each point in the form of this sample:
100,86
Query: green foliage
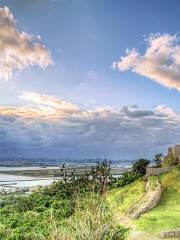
158,158
101,173
120,199
73,208
171,160
140,166
67,176
92,221
67,209
138,170
167,214
126,178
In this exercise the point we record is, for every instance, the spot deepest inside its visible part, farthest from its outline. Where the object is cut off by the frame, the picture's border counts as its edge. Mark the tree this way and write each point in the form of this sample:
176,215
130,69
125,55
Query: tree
102,174
67,176
140,166
158,158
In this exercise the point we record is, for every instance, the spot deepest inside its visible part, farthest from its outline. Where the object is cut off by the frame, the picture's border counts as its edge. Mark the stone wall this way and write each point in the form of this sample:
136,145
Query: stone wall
171,234
149,200
152,171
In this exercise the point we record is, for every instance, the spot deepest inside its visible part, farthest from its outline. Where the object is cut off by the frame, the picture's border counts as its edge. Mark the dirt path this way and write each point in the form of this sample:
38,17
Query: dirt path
140,235
134,234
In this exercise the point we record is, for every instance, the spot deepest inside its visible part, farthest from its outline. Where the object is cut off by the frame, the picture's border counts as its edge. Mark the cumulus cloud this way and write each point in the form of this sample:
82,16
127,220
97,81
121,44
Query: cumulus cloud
160,62
18,49
54,123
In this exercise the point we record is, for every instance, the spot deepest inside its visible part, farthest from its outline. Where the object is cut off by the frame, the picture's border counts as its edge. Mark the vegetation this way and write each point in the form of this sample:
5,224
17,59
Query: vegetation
167,214
72,208
65,175
163,217
75,208
92,221
153,182
171,160
138,170
158,158
139,167
101,173
120,199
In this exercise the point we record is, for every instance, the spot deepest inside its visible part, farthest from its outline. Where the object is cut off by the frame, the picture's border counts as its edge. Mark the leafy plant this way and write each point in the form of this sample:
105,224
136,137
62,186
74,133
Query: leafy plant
158,158
71,208
170,160
102,174
140,166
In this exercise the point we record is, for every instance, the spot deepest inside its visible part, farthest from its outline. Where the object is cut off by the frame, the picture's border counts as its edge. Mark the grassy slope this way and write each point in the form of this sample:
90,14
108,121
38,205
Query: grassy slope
122,198
165,216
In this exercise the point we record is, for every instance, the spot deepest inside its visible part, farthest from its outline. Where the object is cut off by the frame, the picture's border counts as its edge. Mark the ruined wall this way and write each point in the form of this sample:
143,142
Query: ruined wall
175,152
149,200
152,171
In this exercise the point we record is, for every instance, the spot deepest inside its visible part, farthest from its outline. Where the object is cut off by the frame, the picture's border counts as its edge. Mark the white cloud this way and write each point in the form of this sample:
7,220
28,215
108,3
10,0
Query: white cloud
18,49
160,62
50,101
55,123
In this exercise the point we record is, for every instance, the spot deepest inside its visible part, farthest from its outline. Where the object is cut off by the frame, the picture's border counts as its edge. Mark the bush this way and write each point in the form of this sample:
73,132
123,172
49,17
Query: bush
126,178
64,210
170,161
138,170
140,166
158,158
91,221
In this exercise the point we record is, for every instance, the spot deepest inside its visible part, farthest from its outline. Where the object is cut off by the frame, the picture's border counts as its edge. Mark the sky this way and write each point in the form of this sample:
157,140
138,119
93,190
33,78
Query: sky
80,78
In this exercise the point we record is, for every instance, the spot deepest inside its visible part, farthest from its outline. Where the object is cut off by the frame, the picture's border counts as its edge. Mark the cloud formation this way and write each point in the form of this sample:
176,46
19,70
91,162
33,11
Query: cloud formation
18,49
160,62
56,124
50,101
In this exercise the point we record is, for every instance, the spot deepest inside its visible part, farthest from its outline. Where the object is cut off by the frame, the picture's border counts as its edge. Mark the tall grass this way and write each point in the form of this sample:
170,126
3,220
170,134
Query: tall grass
91,221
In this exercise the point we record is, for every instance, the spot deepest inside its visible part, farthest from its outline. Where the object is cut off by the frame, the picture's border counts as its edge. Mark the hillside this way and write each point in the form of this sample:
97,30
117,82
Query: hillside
79,209
164,217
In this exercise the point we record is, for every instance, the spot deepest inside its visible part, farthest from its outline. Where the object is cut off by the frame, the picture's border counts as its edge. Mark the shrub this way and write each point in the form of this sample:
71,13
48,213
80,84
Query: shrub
158,158
65,210
91,221
140,166
170,161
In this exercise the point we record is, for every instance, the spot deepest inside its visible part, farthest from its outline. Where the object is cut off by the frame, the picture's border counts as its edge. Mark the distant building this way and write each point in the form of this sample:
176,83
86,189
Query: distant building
6,189
10,189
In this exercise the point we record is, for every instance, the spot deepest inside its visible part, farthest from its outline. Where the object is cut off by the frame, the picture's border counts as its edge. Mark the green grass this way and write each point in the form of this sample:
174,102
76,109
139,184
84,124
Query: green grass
153,182
122,198
166,216
93,221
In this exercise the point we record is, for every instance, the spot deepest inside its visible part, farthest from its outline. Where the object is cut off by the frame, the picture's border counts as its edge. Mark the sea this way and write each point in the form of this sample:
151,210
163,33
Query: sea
12,181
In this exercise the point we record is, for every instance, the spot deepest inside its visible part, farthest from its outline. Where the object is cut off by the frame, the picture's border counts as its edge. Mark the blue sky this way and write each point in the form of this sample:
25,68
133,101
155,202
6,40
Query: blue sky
84,38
